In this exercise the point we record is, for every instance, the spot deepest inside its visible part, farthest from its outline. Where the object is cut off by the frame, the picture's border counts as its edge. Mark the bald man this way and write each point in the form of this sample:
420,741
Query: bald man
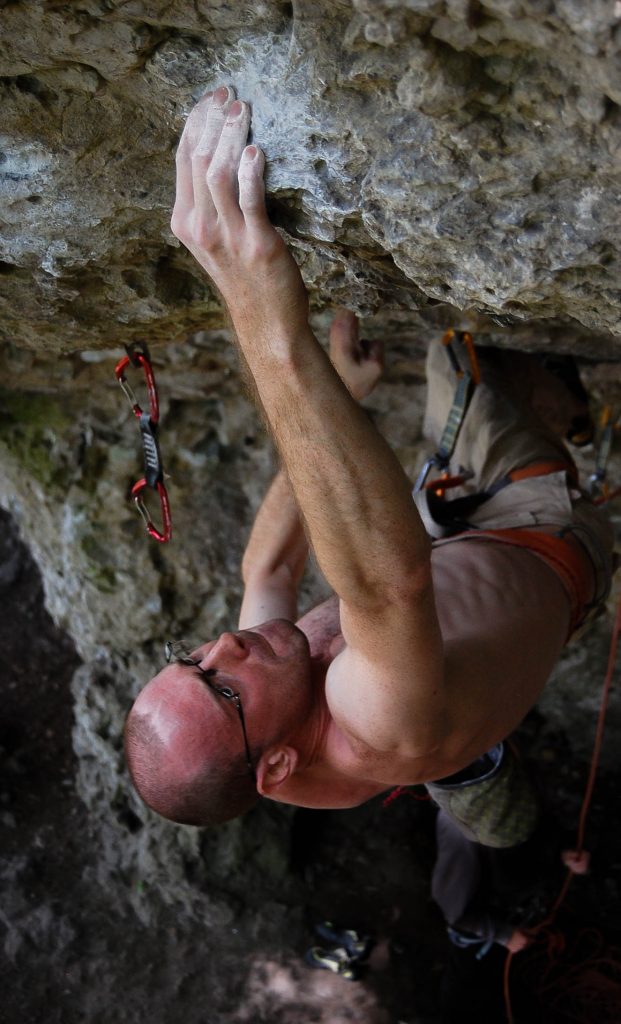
427,655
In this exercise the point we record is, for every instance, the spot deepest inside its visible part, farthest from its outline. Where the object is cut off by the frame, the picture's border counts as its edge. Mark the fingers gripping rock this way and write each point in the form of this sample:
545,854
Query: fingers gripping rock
220,216
251,186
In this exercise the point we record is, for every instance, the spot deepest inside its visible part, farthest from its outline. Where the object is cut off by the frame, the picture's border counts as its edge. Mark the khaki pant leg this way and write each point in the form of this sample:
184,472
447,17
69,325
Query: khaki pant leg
499,432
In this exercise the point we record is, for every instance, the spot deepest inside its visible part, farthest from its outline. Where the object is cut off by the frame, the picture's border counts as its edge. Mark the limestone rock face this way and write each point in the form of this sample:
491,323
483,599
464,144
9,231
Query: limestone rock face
421,152
431,162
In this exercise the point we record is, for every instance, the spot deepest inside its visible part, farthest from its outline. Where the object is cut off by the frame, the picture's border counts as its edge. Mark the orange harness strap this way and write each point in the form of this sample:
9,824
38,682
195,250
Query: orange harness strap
543,468
564,559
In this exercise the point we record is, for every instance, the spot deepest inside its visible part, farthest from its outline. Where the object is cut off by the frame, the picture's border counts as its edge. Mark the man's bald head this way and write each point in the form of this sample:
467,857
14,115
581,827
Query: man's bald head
186,735
182,751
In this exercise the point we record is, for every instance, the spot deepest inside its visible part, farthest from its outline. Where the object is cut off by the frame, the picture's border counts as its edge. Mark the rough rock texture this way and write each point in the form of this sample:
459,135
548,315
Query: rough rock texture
431,162
460,152
70,941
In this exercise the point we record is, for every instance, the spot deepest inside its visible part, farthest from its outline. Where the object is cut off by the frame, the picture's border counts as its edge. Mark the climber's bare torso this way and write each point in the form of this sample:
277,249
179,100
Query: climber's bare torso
504,618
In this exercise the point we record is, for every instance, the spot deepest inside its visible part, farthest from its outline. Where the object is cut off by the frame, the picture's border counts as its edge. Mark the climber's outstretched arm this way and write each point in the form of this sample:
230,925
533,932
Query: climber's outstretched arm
353,494
277,549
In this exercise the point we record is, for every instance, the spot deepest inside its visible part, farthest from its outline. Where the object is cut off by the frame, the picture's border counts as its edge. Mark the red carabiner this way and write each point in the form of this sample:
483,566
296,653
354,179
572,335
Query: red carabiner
152,530
138,356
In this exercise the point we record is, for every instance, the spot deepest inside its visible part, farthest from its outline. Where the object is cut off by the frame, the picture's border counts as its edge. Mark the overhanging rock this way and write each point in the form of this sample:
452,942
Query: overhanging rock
422,152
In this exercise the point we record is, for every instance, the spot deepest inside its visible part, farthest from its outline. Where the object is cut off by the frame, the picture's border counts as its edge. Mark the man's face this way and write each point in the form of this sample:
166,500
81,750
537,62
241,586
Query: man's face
276,647
269,666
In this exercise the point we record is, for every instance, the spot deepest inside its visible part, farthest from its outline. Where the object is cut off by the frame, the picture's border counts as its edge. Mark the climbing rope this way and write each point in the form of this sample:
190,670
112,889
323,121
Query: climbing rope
579,980
595,981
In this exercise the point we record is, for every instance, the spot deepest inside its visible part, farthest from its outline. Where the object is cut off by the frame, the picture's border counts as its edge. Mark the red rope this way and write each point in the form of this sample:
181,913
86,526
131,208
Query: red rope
585,987
399,791
610,962
601,722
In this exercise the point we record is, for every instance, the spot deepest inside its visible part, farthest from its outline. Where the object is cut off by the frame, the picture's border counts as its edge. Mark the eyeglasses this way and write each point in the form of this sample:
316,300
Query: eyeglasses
179,651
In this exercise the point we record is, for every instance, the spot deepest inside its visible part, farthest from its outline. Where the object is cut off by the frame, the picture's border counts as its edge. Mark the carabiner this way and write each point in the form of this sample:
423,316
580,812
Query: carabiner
435,462
139,357
154,478
152,530
466,339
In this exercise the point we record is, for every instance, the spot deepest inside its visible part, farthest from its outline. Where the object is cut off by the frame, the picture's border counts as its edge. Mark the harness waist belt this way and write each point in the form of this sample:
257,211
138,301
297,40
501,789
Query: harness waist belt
541,468
563,558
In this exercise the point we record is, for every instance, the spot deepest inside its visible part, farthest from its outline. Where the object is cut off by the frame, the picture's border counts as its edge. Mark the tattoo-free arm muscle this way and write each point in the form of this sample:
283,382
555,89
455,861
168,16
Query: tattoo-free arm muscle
274,559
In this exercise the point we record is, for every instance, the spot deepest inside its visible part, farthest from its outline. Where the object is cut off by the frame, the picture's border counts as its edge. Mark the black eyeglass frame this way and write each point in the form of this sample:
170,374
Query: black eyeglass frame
175,651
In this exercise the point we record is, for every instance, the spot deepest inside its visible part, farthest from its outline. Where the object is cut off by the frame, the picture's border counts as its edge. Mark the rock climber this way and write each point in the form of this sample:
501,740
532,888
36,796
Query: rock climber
430,652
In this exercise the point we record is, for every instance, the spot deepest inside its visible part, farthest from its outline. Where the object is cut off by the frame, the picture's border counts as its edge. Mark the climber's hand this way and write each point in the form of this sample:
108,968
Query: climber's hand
359,363
220,215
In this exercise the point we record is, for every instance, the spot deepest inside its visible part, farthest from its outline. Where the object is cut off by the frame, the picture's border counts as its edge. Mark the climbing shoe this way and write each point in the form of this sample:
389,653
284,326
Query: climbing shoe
358,946
336,960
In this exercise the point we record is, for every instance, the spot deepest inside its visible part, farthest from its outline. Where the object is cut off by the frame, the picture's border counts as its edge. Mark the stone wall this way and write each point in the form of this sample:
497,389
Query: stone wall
423,152
432,162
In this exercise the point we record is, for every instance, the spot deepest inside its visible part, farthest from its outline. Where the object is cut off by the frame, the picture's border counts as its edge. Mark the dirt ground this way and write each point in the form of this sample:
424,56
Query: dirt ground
73,952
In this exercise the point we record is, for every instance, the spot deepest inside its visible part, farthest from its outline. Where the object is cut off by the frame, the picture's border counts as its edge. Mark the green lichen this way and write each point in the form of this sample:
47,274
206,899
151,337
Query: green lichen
98,570
93,464
31,426
102,578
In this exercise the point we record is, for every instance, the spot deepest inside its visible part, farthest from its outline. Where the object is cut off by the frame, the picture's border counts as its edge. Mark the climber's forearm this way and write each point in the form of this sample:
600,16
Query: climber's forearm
274,559
354,495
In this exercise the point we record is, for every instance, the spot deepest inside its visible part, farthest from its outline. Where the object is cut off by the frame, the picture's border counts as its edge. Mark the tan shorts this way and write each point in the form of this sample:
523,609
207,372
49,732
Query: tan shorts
501,433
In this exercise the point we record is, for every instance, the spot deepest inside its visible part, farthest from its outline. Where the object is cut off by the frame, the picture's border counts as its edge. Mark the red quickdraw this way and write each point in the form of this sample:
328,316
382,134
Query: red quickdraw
440,484
138,356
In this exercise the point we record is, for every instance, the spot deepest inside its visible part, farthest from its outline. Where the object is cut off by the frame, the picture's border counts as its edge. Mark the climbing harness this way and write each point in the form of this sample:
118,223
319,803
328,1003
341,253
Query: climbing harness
138,356
442,518
467,380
